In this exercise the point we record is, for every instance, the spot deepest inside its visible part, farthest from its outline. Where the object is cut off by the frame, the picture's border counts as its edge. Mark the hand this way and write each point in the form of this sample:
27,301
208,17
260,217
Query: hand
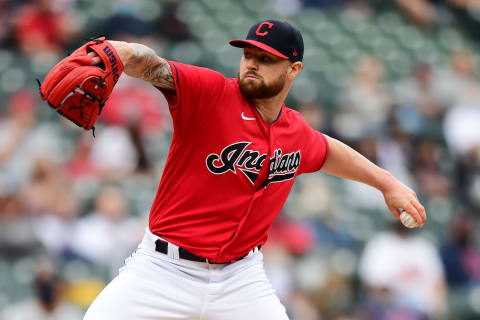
96,59
123,49
76,89
399,196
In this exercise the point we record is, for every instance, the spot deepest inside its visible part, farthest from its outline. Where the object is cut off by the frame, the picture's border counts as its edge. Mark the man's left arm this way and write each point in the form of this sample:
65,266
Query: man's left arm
344,162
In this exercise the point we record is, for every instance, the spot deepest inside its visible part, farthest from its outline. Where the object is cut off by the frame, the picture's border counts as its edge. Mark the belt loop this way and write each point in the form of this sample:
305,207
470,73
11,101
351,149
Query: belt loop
173,251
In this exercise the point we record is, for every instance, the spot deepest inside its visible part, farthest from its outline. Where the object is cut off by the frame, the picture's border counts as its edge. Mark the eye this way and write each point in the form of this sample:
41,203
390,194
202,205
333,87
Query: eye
247,55
265,59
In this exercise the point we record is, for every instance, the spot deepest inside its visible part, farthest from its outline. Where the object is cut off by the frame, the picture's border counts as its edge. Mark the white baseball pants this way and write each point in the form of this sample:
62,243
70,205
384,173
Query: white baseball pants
156,286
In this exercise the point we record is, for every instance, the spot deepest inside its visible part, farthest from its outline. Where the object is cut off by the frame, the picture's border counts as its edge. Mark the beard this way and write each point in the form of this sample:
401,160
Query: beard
252,90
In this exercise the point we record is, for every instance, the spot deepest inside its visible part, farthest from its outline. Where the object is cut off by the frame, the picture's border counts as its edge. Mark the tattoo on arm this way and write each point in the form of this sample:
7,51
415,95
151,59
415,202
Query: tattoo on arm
147,65
160,74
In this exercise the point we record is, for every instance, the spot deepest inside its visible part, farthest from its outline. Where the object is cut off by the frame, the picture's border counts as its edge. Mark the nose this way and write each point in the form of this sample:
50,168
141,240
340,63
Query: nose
252,64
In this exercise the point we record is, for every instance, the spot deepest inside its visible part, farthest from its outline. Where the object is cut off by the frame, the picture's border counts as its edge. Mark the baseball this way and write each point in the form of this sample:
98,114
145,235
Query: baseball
407,220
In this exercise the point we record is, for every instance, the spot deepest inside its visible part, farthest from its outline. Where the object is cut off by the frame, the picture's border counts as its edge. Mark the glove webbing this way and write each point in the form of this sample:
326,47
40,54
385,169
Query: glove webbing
100,82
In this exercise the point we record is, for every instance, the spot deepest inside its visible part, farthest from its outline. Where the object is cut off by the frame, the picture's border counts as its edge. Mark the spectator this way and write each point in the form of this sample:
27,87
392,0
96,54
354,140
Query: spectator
50,197
80,164
17,236
314,114
365,103
4,23
432,181
457,84
48,190
302,307
113,153
48,302
362,196
404,275
107,235
421,12
394,152
14,132
462,132
23,139
419,109
460,255
40,28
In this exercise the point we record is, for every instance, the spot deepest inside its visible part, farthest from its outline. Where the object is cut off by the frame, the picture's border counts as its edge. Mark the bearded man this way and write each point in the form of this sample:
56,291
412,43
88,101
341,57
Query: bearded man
235,153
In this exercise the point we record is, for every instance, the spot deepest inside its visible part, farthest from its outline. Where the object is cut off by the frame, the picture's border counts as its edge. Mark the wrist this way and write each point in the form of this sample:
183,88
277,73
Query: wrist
386,181
125,51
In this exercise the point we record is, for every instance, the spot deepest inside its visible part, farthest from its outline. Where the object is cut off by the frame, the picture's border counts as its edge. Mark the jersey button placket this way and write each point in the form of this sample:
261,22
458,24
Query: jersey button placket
263,174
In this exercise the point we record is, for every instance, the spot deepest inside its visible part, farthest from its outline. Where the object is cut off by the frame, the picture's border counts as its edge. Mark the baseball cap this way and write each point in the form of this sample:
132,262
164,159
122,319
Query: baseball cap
276,37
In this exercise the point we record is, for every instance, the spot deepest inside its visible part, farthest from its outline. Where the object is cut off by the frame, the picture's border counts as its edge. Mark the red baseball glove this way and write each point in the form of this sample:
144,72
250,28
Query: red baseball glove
77,89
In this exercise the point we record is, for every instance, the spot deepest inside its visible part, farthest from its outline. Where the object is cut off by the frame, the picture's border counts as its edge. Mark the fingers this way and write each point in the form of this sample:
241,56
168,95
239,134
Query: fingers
399,197
414,212
421,211
95,58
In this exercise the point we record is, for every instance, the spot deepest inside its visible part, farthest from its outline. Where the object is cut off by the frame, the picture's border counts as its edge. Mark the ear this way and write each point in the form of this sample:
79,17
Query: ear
295,69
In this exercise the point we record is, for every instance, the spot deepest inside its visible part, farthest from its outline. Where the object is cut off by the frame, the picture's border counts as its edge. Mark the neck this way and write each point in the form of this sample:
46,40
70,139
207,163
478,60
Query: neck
270,108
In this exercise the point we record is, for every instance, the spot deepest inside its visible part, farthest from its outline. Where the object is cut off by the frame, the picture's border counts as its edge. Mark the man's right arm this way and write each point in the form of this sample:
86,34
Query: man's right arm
142,62
344,162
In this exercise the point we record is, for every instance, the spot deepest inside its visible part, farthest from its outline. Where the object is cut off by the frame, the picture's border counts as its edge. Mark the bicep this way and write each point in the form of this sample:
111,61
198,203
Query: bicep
342,159
340,156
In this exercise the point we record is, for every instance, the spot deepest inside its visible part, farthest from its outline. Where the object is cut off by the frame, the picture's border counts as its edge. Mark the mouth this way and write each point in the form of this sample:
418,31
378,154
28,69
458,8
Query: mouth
251,76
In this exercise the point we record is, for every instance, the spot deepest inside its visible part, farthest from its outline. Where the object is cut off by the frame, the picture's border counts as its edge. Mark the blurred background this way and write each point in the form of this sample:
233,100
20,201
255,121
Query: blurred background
397,80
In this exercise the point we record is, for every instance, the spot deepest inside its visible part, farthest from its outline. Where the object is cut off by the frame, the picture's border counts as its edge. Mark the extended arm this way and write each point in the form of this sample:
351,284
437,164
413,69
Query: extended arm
142,62
344,162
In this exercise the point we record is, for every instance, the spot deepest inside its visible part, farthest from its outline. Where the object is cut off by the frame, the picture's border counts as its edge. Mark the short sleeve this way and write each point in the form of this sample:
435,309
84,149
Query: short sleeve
197,92
314,151
192,83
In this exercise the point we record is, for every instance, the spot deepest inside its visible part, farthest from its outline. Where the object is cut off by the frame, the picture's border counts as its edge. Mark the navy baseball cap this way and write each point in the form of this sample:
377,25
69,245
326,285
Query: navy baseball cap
276,37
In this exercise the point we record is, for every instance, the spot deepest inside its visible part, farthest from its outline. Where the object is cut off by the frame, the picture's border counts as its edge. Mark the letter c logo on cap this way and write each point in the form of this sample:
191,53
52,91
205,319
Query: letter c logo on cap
264,33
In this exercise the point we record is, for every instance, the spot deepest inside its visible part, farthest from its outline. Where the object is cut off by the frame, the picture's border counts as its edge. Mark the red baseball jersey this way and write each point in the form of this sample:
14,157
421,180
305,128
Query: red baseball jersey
228,172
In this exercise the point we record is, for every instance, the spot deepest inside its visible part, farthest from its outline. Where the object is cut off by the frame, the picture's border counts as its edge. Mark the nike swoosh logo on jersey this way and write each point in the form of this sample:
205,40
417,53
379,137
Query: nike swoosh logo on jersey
244,117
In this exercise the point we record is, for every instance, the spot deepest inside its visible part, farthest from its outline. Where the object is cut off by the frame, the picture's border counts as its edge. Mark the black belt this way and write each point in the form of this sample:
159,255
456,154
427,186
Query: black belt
162,247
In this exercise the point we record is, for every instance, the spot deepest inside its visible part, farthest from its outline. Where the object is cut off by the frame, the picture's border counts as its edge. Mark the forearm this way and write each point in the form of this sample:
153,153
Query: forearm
142,62
344,162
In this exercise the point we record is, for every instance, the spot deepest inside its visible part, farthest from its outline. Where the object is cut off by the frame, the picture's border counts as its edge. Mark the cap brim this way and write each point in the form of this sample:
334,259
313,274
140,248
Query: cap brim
241,43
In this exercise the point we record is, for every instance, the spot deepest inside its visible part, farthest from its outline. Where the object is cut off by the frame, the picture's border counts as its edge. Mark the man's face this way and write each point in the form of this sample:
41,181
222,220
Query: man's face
261,75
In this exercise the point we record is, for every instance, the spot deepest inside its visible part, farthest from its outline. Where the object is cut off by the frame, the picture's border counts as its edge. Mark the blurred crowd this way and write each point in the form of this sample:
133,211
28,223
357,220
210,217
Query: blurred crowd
74,206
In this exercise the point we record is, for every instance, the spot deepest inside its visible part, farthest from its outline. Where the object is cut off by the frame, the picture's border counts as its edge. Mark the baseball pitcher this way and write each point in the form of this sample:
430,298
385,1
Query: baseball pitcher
235,153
